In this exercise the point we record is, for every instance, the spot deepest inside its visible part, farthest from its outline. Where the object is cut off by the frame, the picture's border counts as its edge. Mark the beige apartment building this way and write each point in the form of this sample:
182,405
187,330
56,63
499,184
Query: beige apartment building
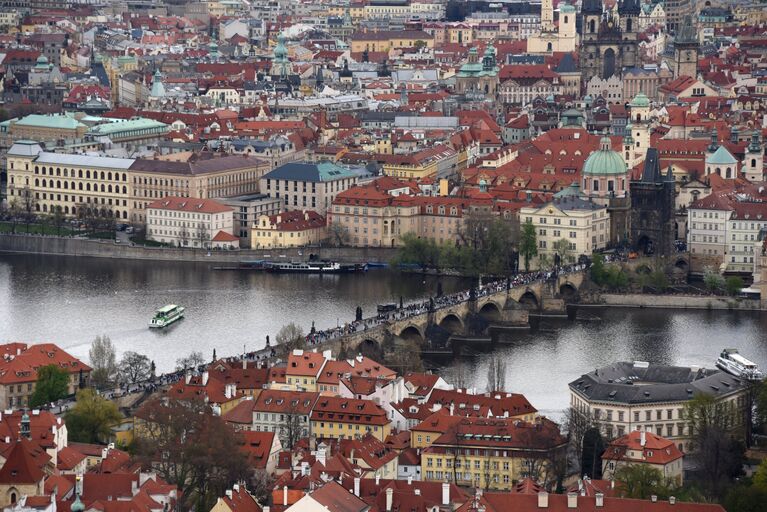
123,187
188,222
307,186
288,229
584,224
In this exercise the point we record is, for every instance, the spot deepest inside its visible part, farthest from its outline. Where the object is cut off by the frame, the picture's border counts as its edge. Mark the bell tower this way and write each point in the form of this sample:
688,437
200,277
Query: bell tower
686,50
754,164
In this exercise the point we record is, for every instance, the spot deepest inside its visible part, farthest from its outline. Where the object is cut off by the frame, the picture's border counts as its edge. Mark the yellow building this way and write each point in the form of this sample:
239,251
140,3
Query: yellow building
493,453
348,418
439,161
385,40
288,229
583,225
122,188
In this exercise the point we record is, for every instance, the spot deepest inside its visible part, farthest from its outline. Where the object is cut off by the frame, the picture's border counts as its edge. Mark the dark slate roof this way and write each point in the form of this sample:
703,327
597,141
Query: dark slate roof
651,172
566,64
637,383
311,172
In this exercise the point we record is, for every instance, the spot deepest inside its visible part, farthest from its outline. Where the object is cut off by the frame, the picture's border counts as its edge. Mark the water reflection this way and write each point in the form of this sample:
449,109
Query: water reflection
70,300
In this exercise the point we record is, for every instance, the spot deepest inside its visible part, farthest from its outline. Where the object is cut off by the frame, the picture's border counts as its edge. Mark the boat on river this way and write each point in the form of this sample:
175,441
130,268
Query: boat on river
313,267
733,363
166,315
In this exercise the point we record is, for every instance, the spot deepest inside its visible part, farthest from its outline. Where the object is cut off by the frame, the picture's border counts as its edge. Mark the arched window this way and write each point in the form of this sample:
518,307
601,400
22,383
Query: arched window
66,210
125,215
125,189
58,184
753,162
88,187
592,26
718,171
45,183
66,185
88,174
74,210
66,173
548,47
103,187
565,18
629,25
58,171
13,498
37,182
80,173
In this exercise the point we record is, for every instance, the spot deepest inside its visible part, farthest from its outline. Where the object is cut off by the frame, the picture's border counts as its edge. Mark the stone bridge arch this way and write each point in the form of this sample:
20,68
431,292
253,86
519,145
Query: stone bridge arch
412,332
451,321
490,310
568,289
370,347
530,299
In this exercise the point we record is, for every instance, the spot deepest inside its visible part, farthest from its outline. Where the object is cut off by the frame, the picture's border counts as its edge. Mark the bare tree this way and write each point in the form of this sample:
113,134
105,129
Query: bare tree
14,211
202,235
192,361
293,426
496,374
290,337
103,360
134,367
339,234
260,485
576,425
28,206
459,375
183,235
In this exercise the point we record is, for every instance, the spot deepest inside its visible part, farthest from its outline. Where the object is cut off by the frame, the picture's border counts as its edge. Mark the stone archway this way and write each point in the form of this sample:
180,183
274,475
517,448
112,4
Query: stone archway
529,300
568,290
412,333
682,264
452,323
490,311
370,348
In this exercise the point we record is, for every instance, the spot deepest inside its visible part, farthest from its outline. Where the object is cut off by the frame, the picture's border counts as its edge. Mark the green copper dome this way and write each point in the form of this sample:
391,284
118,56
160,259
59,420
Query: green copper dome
640,100
605,161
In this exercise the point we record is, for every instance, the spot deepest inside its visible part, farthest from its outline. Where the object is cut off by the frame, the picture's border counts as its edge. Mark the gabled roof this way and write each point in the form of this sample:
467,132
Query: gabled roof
20,467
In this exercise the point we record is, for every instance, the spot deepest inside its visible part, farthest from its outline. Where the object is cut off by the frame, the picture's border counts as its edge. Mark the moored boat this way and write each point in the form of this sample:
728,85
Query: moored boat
733,363
166,315
312,267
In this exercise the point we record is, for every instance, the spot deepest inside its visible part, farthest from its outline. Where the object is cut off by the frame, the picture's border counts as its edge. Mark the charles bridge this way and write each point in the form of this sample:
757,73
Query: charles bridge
496,303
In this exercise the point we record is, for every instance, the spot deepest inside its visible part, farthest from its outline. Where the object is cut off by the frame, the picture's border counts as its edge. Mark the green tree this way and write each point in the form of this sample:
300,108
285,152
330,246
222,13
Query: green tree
591,455
597,270
52,384
746,498
760,397
415,250
713,281
759,479
734,285
91,419
640,481
528,243
57,219
659,280
104,362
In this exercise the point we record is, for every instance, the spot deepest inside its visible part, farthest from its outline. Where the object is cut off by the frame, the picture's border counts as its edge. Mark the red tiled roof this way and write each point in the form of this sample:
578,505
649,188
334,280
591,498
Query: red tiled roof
241,501
20,363
654,450
189,204
223,236
258,446
20,467
348,410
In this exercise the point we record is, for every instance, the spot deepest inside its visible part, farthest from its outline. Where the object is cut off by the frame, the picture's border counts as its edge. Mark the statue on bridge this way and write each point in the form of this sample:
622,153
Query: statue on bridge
431,304
358,316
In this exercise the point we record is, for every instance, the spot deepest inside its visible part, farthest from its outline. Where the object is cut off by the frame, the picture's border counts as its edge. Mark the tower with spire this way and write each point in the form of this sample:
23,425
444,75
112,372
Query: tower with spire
158,89
686,48
281,66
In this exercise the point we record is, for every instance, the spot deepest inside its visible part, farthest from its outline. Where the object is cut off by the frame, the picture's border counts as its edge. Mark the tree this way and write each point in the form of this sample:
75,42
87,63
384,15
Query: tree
339,234
419,44
528,244
405,358
577,424
713,281
759,479
640,481
496,375
591,455
103,360
659,280
289,338
458,375
202,235
91,419
52,384
14,211
57,219
190,447
745,498
183,235
734,285
134,367
419,251
562,248
260,485
192,361
293,428
719,456
29,206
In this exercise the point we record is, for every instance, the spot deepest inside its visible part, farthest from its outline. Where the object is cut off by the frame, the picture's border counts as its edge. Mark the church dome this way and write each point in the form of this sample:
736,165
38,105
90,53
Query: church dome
42,59
605,161
640,100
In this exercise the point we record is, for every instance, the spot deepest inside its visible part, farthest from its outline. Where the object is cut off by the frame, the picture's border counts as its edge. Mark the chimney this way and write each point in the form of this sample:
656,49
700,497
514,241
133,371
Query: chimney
600,500
543,499
285,495
654,498
445,493
266,508
205,378
133,487
244,364
187,377
236,488
389,498
229,493
357,486
452,407
410,480
572,500
378,478
642,438
672,500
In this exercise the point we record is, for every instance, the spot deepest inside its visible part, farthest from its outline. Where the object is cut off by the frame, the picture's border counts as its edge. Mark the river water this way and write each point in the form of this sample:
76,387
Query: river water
68,301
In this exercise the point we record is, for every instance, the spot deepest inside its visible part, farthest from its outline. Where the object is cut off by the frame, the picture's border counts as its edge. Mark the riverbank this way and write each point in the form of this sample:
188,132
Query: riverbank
67,246
705,302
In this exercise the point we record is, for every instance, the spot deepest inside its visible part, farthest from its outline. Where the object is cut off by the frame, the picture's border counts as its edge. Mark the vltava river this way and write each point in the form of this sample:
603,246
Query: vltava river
68,301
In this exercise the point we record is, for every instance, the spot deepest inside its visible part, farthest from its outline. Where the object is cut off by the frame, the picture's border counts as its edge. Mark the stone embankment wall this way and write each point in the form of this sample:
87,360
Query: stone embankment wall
64,246
678,301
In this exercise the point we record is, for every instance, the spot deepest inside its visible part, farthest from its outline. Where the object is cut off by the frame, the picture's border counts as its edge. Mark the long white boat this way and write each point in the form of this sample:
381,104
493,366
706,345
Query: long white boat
166,315
732,362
